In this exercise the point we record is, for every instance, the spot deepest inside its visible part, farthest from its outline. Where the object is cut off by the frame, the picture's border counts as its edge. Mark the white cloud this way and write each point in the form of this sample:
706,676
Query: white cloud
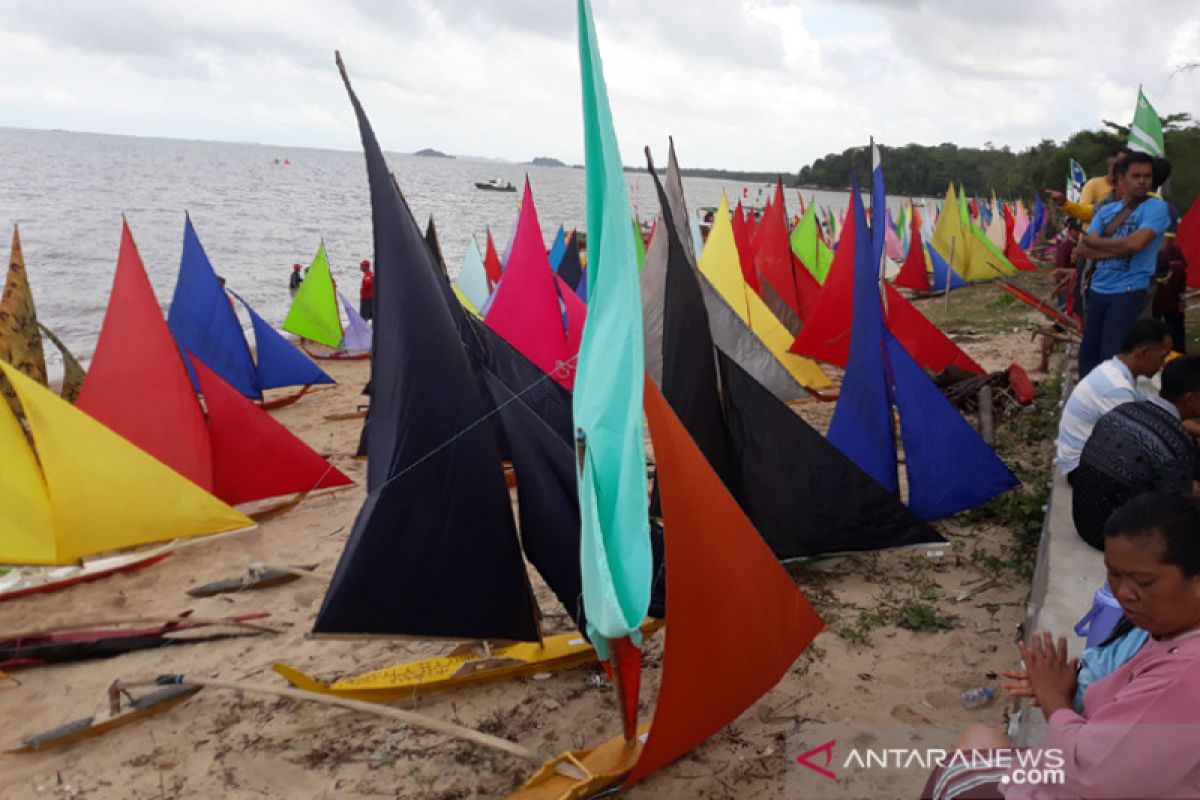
761,84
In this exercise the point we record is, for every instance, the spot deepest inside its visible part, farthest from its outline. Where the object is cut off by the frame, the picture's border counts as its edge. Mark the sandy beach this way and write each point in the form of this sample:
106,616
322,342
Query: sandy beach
881,661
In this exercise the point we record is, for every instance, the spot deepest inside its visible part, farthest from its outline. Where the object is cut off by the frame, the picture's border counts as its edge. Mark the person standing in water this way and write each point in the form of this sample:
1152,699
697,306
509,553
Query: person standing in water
295,279
366,293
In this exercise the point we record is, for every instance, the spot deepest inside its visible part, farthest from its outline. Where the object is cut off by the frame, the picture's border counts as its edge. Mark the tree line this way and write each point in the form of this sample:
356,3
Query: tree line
922,170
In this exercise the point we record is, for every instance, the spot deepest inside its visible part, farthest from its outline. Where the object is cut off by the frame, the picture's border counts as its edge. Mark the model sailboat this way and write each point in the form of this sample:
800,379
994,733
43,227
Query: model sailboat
434,552
204,323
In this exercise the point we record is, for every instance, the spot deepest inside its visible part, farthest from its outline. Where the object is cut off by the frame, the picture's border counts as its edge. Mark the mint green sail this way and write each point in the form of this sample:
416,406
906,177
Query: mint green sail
607,403
314,311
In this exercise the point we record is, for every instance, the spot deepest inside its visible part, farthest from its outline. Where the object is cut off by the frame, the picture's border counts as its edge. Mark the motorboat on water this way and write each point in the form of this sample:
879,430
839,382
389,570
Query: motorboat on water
496,185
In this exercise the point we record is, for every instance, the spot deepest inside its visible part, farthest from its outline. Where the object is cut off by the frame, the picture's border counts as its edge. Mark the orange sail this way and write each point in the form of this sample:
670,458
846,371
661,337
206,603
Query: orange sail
742,621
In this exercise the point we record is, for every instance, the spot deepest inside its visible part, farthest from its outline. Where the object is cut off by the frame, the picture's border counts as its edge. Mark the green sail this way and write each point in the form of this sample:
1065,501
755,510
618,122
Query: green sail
808,247
314,311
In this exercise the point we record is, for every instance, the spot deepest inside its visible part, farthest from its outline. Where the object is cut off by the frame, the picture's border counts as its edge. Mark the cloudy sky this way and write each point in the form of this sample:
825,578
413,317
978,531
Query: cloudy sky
751,84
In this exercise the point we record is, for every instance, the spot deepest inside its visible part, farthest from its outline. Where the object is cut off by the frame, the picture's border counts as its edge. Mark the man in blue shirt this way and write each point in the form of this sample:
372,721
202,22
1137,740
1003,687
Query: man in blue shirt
1123,240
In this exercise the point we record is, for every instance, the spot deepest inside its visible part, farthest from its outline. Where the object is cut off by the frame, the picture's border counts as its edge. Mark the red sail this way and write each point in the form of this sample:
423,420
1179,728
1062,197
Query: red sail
773,261
914,274
741,240
741,621
137,384
491,263
826,332
826,335
1013,251
254,457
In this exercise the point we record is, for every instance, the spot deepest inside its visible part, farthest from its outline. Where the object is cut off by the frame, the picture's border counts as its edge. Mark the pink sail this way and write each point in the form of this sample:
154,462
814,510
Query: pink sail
532,309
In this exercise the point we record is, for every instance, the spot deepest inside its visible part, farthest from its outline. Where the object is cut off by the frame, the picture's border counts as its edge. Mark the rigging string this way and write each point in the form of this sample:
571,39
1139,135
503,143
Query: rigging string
561,368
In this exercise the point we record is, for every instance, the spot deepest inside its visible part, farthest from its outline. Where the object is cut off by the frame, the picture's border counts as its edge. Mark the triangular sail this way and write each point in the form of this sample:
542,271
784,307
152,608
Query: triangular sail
434,550
558,248
491,264
950,469
357,338
570,269
20,342
24,499
736,599
807,246
914,273
532,309
741,237
804,496
862,421
280,363
1011,251
943,272
472,277
105,493
137,384
931,348
314,312
719,263
254,457
689,379
203,322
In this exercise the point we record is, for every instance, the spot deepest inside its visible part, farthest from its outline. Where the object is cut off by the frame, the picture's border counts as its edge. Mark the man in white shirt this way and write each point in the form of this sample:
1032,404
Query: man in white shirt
1111,383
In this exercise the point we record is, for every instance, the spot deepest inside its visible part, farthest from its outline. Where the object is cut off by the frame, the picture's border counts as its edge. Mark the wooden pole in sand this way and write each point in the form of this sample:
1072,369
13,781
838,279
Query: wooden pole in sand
407,717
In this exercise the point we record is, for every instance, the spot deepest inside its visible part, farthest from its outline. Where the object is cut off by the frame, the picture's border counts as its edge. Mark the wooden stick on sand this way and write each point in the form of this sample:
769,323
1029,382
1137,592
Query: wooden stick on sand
408,717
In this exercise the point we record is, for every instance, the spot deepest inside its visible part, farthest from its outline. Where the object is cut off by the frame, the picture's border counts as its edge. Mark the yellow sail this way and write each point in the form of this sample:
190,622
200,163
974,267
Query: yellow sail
26,524
104,492
949,238
719,263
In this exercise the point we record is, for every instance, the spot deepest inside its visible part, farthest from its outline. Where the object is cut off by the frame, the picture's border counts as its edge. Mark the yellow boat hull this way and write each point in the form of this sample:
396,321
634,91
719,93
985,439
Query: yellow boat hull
605,765
467,665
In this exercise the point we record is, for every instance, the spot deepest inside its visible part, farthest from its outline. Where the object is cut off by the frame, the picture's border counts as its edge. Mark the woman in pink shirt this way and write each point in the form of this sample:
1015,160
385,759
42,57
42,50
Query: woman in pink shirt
1139,734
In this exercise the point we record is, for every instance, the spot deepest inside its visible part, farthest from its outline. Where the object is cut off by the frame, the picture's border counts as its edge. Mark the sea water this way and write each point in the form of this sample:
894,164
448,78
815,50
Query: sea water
257,210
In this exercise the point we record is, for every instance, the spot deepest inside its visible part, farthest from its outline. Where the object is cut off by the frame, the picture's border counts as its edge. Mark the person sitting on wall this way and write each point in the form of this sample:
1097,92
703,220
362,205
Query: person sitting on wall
1135,736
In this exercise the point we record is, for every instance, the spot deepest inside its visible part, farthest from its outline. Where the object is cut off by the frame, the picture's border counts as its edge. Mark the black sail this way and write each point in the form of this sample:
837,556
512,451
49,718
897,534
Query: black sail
434,550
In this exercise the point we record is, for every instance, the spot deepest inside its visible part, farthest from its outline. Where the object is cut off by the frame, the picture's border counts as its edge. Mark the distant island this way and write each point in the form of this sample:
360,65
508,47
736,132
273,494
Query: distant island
544,161
429,152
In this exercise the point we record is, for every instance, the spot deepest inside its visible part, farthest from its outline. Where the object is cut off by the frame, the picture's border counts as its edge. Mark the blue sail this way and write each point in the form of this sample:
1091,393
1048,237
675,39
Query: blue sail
940,270
279,362
950,468
203,321
862,422
558,248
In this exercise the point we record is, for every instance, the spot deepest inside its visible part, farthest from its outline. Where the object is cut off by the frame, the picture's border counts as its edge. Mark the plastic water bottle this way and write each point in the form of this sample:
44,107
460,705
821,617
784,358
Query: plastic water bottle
977,697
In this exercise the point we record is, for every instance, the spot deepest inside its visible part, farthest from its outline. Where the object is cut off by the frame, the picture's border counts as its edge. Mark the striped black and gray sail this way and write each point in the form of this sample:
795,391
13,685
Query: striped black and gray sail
434,550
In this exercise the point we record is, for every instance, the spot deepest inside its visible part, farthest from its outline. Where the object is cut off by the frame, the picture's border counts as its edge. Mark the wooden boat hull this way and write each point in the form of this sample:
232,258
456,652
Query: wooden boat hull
156,703
334,355
464,666
86,574
605,766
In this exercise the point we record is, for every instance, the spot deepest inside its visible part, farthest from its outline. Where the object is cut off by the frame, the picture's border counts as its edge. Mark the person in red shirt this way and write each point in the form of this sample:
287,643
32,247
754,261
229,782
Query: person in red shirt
1171,283
366,293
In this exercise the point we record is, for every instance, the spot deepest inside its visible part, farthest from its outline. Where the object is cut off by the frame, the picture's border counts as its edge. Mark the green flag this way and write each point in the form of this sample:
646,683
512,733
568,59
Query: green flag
607,402
1146,133
314,312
